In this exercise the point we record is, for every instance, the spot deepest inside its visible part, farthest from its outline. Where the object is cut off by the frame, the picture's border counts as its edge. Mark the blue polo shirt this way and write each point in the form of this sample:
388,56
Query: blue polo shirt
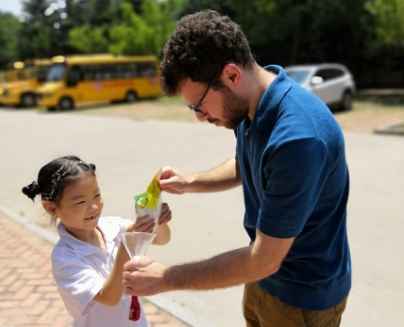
296,183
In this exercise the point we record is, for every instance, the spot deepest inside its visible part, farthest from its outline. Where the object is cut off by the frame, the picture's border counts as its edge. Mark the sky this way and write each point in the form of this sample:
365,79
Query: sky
13,6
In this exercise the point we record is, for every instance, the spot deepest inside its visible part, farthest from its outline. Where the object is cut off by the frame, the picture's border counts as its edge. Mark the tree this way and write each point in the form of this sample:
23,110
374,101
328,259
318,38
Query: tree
306,31
144,32
37,37
225,7
88,22
87,39
9,28
389,15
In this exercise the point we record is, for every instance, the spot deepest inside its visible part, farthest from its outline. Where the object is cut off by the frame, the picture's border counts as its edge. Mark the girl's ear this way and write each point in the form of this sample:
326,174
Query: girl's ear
50,207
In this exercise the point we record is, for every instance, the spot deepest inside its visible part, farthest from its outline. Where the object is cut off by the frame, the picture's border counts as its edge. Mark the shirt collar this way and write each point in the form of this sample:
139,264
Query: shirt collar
110,231
267,109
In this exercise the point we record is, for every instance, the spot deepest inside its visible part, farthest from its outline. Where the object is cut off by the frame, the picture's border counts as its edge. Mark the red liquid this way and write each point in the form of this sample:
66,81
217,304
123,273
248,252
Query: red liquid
134,311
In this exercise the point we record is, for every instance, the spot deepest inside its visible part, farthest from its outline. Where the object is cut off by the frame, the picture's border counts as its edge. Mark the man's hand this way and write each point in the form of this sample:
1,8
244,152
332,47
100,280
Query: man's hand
143,276
221,178
173,181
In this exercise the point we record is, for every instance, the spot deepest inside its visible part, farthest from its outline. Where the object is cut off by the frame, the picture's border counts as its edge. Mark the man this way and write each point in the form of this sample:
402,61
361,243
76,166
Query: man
290,160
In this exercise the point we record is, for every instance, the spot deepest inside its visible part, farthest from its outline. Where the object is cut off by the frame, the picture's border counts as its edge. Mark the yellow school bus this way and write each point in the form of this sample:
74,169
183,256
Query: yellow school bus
2,83
21,82
87,79
14,72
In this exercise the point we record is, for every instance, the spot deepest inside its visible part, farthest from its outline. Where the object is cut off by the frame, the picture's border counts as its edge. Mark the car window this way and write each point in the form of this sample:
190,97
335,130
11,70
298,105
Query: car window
330,73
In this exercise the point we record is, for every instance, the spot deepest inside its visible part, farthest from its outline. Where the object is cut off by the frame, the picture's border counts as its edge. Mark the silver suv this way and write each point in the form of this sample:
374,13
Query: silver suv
333,83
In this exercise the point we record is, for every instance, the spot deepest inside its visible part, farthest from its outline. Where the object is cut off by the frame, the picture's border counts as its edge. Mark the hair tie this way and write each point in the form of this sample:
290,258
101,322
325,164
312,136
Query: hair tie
31,190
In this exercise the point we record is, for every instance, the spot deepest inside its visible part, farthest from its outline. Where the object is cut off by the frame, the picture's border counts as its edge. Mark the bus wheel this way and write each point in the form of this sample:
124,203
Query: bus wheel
66,103
131,96
28,100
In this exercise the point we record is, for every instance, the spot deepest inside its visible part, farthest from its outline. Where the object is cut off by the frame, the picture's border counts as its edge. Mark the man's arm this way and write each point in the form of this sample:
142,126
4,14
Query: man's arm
243,265
220,178
261,259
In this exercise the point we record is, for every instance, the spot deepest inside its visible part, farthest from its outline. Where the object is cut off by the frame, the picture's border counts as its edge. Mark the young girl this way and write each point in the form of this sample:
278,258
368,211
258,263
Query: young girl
87,261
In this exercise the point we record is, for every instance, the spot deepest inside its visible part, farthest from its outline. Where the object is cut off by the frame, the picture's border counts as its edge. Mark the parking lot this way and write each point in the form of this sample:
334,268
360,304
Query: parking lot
128,151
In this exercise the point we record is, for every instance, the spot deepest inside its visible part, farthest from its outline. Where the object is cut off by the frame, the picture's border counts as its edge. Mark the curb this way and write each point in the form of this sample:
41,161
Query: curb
393,130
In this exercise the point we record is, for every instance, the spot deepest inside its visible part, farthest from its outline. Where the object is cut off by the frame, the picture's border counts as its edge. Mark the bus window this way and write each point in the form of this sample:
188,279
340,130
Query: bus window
107,72
120,71
41,74
74,75
97,71
147,69
130,70
88,73
113,71
56,73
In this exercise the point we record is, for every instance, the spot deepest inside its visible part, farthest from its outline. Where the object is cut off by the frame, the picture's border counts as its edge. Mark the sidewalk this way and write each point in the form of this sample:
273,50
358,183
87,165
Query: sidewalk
28,294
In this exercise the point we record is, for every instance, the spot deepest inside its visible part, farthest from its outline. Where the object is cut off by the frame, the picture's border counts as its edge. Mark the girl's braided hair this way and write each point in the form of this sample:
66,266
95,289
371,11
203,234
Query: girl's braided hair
55,176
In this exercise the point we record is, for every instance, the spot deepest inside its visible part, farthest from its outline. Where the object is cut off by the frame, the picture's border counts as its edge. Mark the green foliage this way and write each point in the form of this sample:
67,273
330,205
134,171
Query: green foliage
132,35
125,30
358,33
141,33
225,6
389,16
36,38
9,28
87,39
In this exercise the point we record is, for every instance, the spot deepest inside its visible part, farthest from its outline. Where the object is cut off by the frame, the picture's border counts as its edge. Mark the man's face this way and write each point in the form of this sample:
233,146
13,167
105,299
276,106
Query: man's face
221,107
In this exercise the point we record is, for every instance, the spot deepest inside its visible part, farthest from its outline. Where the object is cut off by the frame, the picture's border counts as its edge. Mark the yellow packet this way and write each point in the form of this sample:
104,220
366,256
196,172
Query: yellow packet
149,202
151,198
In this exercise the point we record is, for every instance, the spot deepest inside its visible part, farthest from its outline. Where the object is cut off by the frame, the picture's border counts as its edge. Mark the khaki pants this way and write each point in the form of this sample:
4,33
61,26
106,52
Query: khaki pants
264,310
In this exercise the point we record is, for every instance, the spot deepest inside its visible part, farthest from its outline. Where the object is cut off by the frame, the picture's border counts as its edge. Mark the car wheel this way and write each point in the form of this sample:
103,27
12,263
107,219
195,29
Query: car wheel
66,103
346,102
131,96
28,100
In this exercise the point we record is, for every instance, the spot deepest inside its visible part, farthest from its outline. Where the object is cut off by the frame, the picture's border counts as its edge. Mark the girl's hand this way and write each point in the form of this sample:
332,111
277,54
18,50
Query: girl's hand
146,223
142,224
165,215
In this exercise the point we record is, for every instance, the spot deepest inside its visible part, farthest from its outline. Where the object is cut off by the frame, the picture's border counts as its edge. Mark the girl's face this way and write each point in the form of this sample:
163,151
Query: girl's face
81,204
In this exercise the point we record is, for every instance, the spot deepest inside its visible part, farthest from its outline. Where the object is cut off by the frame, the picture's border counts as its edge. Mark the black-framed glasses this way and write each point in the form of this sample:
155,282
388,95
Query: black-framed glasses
197,107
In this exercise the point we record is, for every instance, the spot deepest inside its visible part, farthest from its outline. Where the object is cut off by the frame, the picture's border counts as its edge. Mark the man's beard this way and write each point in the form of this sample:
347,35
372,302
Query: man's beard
235,108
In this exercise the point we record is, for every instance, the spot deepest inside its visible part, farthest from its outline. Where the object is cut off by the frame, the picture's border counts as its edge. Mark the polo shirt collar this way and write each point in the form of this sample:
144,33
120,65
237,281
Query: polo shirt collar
84,248
267,109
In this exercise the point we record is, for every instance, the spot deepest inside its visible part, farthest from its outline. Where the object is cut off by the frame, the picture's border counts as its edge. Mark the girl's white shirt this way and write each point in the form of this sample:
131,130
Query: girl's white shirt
80,270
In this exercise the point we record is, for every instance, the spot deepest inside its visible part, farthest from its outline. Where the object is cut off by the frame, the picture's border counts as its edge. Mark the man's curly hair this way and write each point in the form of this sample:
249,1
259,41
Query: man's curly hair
201,45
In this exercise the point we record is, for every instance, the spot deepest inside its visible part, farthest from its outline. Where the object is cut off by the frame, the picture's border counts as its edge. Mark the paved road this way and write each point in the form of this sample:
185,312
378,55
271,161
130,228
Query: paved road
127,154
